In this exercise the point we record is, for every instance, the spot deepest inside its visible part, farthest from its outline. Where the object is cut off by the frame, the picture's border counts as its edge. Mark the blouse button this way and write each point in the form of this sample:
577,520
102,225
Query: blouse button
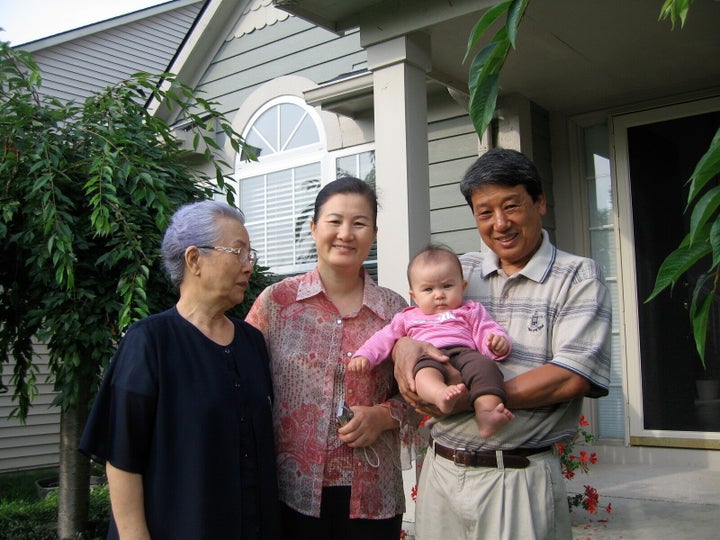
237,385
227,351
349,354
350,391
339,321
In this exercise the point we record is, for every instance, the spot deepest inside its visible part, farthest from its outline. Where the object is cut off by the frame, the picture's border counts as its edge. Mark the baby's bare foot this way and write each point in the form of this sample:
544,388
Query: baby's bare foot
490,421
447,398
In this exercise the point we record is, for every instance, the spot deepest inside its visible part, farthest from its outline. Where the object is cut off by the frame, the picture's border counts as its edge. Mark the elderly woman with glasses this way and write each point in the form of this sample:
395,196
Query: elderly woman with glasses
183,420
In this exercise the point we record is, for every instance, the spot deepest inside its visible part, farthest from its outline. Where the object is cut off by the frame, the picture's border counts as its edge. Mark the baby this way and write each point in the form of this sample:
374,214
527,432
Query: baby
463,330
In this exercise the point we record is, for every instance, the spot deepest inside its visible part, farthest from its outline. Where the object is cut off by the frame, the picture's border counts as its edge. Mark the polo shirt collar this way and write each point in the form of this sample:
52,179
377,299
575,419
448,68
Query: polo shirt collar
537,268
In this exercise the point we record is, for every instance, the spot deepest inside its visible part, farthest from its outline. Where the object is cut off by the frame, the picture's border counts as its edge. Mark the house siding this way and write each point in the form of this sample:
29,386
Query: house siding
452,148
289,47
34,443
74,69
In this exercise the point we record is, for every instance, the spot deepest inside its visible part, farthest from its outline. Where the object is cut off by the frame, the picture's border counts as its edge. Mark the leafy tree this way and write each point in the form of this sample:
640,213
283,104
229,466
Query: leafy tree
86,191
701,246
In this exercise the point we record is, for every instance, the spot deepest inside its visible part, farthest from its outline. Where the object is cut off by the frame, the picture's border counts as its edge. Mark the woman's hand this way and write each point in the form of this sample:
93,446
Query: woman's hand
366,425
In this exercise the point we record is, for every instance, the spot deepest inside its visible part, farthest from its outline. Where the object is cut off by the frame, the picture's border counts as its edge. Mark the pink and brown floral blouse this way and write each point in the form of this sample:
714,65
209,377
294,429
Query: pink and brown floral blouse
310,344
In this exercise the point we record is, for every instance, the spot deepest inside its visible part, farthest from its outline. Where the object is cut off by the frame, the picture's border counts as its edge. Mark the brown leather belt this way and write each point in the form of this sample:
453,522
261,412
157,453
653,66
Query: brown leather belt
512,459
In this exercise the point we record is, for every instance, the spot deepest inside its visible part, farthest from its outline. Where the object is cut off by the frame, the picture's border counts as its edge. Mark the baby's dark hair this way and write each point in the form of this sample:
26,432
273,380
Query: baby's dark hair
432,253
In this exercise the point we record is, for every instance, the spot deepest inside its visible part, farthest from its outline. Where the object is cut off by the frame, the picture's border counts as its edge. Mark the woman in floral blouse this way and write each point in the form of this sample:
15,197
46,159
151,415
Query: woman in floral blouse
335,482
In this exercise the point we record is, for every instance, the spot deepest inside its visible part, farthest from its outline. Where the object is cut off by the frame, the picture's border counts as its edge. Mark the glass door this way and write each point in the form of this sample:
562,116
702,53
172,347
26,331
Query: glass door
656,152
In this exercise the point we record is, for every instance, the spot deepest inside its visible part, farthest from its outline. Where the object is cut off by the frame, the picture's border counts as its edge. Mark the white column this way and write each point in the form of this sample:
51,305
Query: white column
399,66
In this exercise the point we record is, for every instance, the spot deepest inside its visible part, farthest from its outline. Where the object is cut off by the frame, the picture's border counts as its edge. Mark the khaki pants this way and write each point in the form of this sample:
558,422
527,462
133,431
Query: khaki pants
483,503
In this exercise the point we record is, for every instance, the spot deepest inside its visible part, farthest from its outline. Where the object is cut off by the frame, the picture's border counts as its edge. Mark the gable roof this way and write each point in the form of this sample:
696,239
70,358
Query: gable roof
218,19
76,63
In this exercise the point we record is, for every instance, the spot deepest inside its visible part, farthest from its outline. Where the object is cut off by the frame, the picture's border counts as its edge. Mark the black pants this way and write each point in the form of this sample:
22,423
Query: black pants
334,522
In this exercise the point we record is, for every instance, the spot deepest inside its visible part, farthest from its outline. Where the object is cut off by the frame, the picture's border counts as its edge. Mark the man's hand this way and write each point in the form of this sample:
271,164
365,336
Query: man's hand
405,355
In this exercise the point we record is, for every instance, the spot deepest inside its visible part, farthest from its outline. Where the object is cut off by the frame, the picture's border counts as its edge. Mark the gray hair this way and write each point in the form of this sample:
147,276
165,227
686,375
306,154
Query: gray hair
194,224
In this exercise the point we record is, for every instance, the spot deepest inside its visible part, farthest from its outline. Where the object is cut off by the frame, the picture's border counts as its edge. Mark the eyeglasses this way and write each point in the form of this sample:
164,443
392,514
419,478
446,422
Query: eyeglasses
244,255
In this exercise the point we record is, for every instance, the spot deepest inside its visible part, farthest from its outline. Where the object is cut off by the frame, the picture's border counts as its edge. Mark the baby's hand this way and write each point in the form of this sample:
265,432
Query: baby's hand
498,344
359,364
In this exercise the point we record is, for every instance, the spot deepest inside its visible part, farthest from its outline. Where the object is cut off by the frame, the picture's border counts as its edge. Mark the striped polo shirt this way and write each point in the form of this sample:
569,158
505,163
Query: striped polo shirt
555,310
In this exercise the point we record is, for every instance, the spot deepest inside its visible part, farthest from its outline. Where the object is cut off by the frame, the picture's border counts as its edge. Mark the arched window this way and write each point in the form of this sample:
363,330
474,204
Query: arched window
280,127
277,192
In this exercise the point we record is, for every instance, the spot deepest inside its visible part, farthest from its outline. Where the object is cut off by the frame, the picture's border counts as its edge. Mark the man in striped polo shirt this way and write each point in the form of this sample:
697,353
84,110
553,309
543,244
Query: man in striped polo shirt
556,309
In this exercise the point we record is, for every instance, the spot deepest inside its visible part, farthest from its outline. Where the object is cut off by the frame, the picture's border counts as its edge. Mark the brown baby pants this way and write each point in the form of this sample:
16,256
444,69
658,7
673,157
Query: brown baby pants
479,373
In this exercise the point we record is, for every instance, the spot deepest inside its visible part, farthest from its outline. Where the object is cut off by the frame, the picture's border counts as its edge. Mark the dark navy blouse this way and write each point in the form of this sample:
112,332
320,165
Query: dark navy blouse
194,419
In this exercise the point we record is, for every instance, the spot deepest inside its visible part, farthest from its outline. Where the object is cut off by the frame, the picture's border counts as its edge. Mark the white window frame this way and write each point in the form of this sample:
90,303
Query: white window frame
291,159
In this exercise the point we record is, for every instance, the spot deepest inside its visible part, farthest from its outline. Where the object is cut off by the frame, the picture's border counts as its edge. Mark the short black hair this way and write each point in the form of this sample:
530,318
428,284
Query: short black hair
504,167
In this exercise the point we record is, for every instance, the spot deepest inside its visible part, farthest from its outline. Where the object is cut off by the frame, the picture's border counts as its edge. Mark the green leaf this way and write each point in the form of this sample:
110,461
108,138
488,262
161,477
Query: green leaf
488,18
485,81
515,15
706,169
676,264
715,242
483,101
704,209
700,313
675,9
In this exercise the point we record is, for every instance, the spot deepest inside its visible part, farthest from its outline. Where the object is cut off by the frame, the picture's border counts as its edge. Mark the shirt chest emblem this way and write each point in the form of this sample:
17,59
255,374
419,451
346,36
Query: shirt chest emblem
536,323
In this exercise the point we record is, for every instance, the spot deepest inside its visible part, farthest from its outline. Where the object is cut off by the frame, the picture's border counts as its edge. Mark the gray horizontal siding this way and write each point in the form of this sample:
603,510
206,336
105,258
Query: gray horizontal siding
75,69
36,442
452,148
290,47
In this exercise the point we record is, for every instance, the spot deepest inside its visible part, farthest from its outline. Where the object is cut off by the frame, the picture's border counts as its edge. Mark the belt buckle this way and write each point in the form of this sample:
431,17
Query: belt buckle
460,451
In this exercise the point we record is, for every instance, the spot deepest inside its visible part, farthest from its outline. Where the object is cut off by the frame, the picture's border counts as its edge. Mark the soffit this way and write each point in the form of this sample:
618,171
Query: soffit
571,56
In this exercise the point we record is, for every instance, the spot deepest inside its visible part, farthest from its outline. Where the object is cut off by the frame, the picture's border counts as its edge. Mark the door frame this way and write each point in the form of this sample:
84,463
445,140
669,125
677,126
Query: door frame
628,294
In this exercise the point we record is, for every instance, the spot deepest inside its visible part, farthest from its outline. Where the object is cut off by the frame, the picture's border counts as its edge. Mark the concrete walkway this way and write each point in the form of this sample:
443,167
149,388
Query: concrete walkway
649,502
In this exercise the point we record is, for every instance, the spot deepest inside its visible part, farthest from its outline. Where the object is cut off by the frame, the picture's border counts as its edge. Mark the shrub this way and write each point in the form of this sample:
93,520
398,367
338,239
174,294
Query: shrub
37,520
21,519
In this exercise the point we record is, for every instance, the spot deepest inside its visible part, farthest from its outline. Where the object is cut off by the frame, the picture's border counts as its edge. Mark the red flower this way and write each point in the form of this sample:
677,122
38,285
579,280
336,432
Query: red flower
591,499
570,462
